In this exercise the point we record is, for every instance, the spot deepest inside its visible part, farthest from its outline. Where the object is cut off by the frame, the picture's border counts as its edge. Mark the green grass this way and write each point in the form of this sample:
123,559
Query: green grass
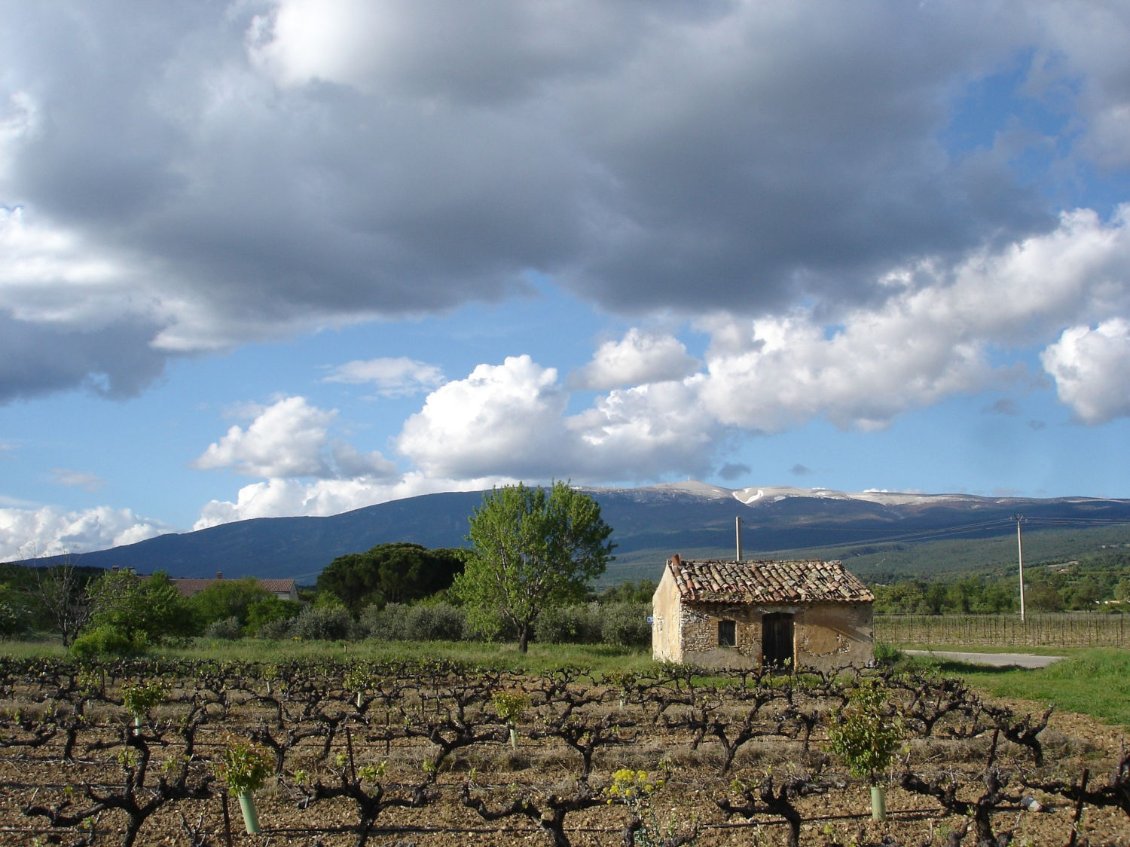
1090,682
31,649
541,658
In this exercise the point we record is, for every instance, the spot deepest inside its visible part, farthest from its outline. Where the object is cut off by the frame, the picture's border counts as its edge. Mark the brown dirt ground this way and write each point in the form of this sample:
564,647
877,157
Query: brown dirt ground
694,783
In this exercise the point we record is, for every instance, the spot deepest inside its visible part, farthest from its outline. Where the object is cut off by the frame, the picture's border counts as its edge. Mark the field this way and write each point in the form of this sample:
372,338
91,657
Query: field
438,752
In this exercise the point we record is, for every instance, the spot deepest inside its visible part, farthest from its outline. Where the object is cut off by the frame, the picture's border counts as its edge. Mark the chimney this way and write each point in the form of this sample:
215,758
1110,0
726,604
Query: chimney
676,559
738,532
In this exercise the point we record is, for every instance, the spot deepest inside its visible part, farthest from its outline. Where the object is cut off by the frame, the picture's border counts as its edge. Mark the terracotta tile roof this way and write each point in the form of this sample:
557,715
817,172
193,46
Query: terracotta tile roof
715,581
189,587
278,586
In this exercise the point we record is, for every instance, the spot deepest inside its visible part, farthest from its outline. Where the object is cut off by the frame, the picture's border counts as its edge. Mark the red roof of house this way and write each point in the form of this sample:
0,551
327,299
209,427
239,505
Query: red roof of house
189,587
716,581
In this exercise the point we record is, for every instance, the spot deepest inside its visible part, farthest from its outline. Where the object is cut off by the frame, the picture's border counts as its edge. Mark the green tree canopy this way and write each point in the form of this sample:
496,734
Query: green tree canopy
227,598
142,609
390,573
532,549
629,592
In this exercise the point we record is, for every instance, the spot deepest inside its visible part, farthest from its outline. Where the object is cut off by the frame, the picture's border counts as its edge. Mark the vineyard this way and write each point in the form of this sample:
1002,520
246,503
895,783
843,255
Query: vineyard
397,753
1038,630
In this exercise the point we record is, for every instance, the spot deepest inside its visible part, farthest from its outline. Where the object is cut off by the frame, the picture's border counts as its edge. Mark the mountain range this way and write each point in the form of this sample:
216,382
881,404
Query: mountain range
649,524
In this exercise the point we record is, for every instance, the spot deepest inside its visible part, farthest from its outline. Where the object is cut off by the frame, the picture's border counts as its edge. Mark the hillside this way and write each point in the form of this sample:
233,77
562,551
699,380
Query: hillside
879,533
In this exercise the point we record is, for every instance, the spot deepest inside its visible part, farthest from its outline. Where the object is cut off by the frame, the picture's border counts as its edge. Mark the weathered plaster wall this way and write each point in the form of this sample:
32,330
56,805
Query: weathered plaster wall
832,635
666,620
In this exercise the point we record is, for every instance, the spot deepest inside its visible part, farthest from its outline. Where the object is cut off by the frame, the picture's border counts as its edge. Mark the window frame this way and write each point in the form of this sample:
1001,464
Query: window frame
727,632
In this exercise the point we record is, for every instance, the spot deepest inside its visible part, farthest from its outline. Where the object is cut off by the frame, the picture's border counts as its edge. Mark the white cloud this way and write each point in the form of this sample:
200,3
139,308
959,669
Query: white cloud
790,371
645,432
636,359
392,377
512,419
290,438
505,419
928,341
1091,368
332,40
49,531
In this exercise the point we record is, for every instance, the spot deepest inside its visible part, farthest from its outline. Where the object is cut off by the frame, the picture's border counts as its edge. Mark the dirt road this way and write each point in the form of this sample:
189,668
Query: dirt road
998,660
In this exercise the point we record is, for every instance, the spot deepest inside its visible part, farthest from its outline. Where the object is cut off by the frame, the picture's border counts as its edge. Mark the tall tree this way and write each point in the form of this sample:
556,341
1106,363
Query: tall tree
60,595
143,609
227,598
532,549
390,573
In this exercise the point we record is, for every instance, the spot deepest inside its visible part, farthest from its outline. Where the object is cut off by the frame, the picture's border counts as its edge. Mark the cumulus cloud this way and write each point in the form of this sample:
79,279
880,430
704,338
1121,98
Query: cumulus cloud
290,438
504,418
1090,367
644,432
783,180
392,377
637,358
512,419
48,531
252,170
929,340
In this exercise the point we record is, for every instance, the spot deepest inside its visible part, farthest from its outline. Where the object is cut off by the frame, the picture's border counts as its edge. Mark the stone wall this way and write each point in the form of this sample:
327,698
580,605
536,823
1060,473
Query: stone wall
826,635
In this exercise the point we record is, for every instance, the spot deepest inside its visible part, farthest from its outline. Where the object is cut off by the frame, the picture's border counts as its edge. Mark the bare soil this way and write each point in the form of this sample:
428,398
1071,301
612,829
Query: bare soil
540,767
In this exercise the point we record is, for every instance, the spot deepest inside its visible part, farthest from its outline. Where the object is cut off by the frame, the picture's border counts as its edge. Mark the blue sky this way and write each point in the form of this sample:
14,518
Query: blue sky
278,257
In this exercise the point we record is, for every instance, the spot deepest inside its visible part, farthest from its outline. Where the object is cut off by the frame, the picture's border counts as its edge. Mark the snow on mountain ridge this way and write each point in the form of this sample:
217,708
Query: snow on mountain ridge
764,494
752,495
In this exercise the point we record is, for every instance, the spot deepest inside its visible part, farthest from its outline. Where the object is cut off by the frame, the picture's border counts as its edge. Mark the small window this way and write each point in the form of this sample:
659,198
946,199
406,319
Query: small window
727,633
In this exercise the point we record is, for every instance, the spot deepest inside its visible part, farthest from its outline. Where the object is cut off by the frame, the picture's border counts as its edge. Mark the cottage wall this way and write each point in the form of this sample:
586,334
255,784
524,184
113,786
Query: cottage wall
666,621
826,635
833,635
700,635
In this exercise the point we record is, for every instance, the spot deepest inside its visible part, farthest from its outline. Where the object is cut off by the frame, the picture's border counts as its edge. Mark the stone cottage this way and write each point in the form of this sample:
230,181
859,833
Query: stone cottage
743,614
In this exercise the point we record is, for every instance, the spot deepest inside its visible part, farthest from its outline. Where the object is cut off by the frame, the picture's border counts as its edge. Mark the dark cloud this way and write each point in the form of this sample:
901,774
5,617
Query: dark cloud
115,361
800,470
735,470
649,156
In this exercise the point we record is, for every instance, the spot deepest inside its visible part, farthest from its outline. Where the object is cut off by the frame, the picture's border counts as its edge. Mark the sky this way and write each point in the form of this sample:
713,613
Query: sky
295,257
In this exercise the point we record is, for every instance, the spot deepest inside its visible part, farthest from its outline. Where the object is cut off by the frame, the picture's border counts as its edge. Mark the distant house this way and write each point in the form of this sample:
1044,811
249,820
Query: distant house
284,589
745,614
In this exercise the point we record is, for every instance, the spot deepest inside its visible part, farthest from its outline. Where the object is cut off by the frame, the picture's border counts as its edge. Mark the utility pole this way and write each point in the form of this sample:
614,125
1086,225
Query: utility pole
1020,561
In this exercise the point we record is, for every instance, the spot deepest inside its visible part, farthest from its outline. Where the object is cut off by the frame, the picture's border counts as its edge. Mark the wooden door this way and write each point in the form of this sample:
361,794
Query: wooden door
777,640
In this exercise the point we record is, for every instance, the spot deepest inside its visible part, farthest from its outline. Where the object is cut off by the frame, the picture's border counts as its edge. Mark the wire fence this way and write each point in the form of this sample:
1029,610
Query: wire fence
1077,629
